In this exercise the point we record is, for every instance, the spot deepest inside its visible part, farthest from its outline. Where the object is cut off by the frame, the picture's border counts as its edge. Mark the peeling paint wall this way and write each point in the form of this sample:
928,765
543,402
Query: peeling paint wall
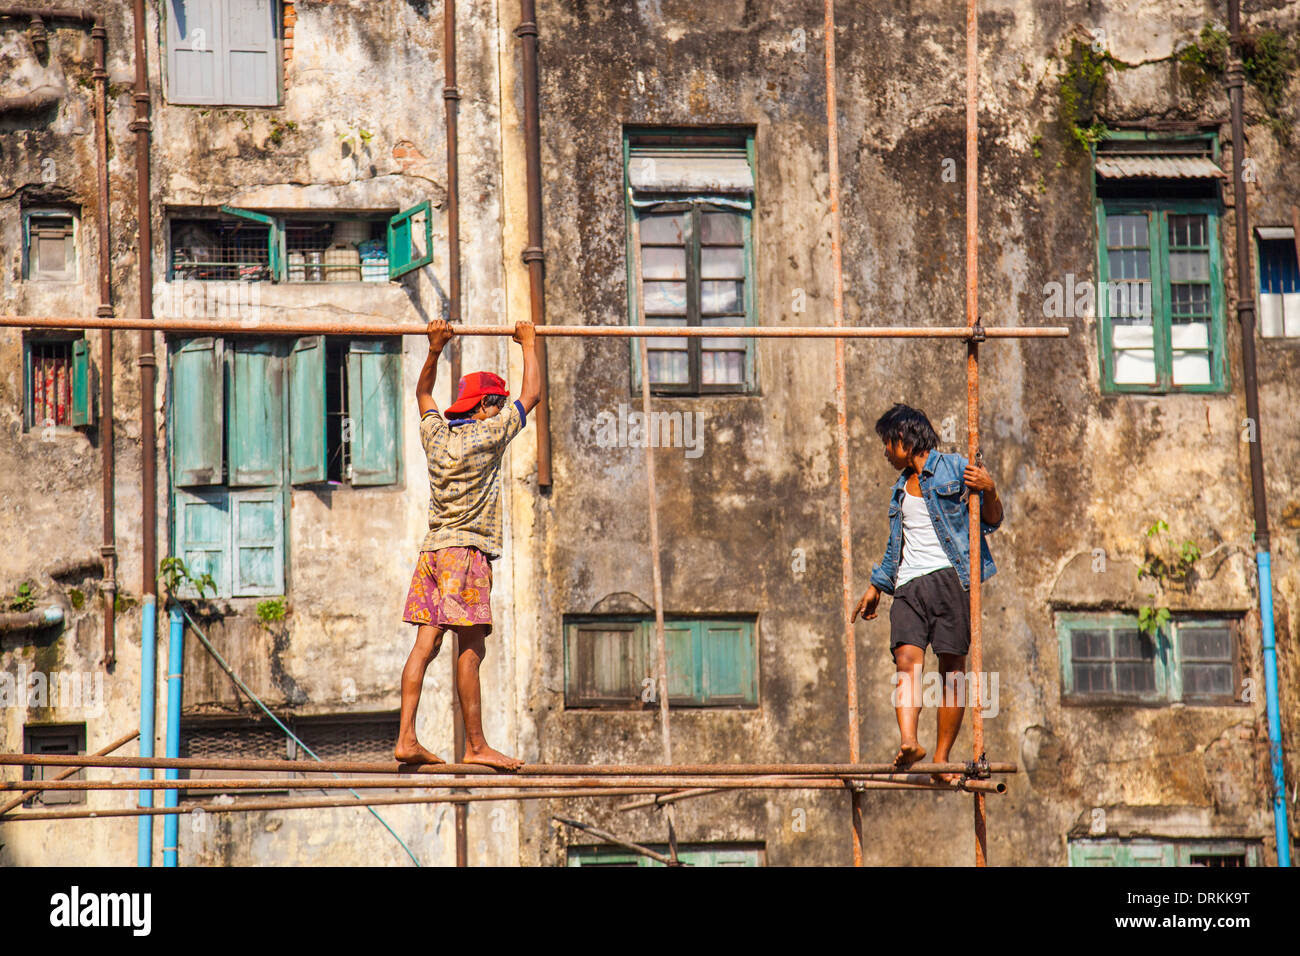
1080,471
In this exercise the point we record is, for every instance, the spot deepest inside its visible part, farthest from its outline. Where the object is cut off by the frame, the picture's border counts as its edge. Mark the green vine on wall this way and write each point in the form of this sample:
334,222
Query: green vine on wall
1165,563
1082,88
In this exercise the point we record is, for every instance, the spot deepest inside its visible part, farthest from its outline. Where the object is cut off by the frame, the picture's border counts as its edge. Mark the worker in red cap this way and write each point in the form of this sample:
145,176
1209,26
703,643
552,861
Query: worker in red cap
452,584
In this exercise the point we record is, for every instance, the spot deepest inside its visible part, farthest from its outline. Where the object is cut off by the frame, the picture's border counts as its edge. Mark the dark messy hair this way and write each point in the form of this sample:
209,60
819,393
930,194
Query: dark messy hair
907,425
487,401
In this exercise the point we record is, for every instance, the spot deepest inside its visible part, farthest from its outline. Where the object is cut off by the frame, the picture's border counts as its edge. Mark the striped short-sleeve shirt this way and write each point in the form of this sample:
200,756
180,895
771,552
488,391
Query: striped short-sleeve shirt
464,458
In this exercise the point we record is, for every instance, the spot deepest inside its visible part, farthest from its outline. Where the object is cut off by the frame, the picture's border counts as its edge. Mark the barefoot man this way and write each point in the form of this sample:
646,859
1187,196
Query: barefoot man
452,584
927,569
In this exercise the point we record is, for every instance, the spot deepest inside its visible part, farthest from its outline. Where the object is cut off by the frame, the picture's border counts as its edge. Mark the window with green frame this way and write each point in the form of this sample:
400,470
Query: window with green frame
1161,295
1149,852
1106,659
690,201
247,419
609,662
690,854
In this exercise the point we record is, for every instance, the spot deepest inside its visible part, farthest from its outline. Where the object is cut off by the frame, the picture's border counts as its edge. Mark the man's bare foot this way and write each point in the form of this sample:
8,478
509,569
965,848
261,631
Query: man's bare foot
492,758
946,778
908,754
412,752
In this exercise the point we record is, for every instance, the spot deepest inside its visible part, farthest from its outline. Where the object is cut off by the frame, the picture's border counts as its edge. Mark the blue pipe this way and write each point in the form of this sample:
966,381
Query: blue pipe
148,669
1263,561
175,675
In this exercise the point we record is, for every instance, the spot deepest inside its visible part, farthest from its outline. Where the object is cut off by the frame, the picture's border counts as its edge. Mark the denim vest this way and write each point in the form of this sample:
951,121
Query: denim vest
945,496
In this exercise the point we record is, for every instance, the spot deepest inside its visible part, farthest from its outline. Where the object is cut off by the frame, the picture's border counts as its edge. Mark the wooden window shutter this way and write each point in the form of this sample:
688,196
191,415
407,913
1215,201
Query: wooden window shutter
374,376
255,426
197,412
307,442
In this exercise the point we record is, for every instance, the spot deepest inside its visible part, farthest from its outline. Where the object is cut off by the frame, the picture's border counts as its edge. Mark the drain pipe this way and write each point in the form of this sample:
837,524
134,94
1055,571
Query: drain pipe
108,551
148,430
451,99
1263,558
175,679
533,254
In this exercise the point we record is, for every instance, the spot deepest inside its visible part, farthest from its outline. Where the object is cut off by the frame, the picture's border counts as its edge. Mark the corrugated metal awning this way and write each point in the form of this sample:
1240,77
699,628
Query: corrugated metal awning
1156,166
696,171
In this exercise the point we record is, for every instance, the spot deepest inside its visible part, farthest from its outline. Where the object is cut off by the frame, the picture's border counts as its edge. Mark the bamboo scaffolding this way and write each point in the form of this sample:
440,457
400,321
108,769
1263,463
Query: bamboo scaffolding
259,327
244,805
103,752
527,770
495,783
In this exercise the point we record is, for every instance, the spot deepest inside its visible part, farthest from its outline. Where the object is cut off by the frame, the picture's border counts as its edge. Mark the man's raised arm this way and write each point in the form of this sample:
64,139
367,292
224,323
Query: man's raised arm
440,334
530,393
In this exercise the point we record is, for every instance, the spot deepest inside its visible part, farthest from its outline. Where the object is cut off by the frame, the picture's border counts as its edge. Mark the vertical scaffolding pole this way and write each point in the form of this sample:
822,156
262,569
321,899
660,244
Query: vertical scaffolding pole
451,100
973,398
656,569
842,427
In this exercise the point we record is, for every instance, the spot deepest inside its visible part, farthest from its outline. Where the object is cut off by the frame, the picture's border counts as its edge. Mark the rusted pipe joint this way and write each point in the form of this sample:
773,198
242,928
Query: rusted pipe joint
526,29
533,254
40,39
140,125
105,311
1235,75
977,332
451,93
977,769
147,360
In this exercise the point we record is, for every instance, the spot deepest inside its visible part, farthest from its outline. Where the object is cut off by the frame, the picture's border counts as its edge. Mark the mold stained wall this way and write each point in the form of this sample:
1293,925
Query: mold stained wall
1078,470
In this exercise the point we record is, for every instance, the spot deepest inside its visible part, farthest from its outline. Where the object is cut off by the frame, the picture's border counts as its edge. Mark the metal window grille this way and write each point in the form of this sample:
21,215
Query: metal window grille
50,398
228,250
1119,662
1211,859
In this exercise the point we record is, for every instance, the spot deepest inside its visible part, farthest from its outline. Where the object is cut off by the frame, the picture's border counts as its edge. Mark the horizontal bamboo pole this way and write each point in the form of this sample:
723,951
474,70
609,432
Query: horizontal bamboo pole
244,805
491,783
442,769
258,327
986,786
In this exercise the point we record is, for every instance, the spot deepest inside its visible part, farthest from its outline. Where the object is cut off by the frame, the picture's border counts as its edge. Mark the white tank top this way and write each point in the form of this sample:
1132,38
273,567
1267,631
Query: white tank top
922,552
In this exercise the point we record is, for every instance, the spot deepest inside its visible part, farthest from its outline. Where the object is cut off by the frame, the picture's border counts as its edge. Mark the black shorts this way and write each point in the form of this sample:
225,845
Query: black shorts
932,609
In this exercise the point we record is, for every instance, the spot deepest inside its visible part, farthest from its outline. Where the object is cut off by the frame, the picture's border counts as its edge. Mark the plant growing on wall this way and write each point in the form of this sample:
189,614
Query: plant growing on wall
1165,563
1082,88
272,610
24,598
174,575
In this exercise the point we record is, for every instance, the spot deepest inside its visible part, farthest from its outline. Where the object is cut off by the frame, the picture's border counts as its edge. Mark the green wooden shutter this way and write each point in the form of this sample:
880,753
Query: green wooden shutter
307,444
257,542
198,408
604,663
728,656
202,534
83,404
374,374
409,245
681,641
255,439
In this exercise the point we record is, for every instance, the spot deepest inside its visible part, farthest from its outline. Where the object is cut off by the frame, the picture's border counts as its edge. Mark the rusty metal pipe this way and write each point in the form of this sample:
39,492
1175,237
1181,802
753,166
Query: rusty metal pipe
504,781
842,426
142,126
445,769
260,803
108,551
248,327
451,101
83,14
973,396
65,774
534,255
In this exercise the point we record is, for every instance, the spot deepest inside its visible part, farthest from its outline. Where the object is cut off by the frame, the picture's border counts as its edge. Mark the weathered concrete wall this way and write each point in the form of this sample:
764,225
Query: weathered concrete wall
1078,470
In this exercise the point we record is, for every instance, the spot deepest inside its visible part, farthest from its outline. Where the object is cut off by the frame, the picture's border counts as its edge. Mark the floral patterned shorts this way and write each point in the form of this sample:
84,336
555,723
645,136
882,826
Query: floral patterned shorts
451,588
